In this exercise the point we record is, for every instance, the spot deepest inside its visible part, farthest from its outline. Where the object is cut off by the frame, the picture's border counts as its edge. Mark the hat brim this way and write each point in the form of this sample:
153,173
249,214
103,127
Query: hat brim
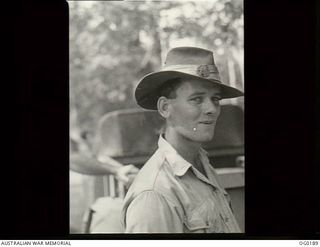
147,92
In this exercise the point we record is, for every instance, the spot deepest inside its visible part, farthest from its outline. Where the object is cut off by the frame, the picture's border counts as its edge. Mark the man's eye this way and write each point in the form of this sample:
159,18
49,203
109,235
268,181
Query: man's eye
197,99
215,99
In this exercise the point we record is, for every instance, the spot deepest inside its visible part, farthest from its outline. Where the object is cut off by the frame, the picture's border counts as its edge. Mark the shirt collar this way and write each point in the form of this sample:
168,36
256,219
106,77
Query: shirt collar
178,164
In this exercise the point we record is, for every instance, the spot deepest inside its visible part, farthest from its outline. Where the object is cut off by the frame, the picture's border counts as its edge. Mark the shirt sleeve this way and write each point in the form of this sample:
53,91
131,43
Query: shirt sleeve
151,212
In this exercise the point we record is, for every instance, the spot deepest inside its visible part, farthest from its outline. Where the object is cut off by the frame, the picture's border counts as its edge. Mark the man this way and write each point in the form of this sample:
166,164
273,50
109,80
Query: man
91,166
83,160
177,190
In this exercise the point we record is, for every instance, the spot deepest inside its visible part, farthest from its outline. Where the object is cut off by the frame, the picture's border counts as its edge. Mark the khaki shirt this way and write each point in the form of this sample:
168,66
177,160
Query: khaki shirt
169,195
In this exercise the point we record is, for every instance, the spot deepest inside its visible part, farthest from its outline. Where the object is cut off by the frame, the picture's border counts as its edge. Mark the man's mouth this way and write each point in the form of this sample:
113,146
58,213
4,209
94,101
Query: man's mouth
206,122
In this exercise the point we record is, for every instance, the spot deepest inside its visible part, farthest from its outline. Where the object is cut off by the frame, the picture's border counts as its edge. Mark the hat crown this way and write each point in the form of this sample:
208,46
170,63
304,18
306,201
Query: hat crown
189,55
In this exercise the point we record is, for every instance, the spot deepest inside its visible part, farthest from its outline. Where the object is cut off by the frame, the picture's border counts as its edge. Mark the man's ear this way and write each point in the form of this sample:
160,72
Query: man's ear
163,105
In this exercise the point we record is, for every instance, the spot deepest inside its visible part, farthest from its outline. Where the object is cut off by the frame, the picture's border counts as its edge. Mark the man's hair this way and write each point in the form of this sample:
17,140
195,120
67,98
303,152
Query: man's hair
169,88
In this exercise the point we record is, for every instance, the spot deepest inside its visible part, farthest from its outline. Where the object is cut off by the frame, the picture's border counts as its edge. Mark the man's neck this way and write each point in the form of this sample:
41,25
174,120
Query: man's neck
188,149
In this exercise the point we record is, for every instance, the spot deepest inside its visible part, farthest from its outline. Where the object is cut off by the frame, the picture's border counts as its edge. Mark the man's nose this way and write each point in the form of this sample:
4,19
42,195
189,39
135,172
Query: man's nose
211,107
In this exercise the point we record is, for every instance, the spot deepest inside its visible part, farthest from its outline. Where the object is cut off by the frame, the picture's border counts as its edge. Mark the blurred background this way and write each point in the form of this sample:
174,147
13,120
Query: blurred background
114,43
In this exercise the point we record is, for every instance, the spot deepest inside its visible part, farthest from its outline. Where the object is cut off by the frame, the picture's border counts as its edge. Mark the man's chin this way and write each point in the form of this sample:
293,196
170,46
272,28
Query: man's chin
205,138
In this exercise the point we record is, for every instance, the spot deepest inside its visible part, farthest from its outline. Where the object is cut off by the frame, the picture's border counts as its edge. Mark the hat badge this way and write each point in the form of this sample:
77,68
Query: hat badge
203,70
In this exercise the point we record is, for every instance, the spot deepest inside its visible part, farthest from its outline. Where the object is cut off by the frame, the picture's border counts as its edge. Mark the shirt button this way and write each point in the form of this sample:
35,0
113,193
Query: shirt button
226,219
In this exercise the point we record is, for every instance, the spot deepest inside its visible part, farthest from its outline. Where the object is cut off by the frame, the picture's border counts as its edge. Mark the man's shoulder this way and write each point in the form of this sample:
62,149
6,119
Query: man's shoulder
146,180
154,169
156,176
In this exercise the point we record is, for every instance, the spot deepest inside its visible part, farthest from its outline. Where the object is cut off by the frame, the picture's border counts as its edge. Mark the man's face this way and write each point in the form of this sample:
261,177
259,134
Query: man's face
195,110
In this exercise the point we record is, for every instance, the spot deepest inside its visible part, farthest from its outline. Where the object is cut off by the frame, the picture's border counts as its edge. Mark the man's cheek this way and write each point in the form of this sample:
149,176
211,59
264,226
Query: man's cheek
182,121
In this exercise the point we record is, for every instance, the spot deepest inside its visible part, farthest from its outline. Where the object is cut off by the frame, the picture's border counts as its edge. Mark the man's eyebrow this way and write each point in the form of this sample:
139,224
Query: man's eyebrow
197,93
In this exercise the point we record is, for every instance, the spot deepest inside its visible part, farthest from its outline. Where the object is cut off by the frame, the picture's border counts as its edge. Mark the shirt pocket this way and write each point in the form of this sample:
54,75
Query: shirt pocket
196,224
204,219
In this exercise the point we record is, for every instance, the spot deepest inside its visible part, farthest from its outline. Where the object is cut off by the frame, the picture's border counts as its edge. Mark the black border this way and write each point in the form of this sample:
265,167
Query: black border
281,159
280,75
35,94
